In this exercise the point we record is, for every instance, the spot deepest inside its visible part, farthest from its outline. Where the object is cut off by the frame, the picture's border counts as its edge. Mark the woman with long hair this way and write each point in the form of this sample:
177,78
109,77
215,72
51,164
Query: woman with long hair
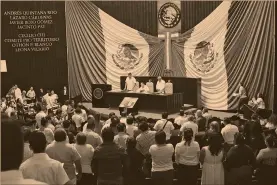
187,155
211,158
239,162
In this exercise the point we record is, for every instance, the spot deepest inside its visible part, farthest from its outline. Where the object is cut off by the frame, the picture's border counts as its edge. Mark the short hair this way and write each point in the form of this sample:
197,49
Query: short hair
198,113
164,115
81,138
78,110
111,114
11,145
59,111
114,121
191,118
60,135
182,112
66,102
188,134
91,124
205,110
143,126
129,120
26,133
235,118
227,121
129,74
44,121
107,135
37,141
71,138
160,137
239,139
120,127
66,124
215,126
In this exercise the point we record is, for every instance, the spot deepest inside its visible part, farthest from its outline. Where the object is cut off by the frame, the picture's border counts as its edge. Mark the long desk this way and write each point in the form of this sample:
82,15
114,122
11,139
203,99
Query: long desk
156,102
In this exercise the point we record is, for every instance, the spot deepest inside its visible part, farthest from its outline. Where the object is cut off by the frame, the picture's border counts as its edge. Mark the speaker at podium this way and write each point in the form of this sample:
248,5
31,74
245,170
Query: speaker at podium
129,105
98,95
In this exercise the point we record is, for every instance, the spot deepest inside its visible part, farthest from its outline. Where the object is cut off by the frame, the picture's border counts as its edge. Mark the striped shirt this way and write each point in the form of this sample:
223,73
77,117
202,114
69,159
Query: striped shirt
145,140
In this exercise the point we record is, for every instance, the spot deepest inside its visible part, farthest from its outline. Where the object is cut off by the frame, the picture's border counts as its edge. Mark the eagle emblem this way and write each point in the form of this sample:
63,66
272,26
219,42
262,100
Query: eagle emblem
169,15
127,57
204,58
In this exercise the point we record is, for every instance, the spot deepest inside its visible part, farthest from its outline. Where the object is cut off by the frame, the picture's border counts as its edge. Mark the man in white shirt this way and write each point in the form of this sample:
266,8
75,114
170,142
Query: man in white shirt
150,86
168,87
130,82
165,125
206,114
78,119
48,100
31,93
143,88
229,131
93,138
12,155
190,124
84,113
160,85
41,167
41,114
130,128
180,120
18,94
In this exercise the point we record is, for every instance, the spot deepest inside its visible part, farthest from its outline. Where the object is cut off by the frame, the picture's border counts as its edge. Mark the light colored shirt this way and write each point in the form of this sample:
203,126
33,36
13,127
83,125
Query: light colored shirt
168,88
93,138
16,177
42,168
191,125
150,86
207,115
260,103
180,120
228,133
64,109
78,120
66,154
161,157
130,83
167,129
39,116
144,141
48,101
9,110
121,139
86,152
143,89
27,152
187,155
242,92
130,130
17,93
31,94
49,134
160,85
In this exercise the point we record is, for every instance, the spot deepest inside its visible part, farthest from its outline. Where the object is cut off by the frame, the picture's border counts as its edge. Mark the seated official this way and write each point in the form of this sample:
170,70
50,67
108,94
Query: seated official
259,102
143,88
160,86
150,85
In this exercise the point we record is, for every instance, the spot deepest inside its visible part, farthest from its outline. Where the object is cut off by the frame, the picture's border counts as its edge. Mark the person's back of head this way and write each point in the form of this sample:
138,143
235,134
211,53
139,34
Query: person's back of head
37,142
188,135
160,138
71,138
191,118
81,138
26,134
107,135
214,126
215,143
114,121
111,114
66,124
129,120
182,112
143,126
198,113
227,121
44,122
78,110
205,110
273,119
131,144
121,127
239,139
270,141
11,145
164,115
60,135
66,102
91,124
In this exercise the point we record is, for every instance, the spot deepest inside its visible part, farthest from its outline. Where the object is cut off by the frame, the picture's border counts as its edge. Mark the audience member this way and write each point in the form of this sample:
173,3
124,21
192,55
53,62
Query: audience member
181,119
214,128
89,120
111,114
272,122
239,162
9,109
12,154
49,134
41,114
206,115
121,138
164,125
64,108
211,157
114,122
84,113
130,127
200,121
27,151
62,151
187,155
92,138
71,138
40,167
109,160
59,118
175,135
78,119
31,94
162,165
190,124
86,152
145,139
228,132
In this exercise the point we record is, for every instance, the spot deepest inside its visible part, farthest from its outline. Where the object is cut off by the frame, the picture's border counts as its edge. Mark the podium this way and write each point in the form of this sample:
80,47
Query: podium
129,105
98,95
